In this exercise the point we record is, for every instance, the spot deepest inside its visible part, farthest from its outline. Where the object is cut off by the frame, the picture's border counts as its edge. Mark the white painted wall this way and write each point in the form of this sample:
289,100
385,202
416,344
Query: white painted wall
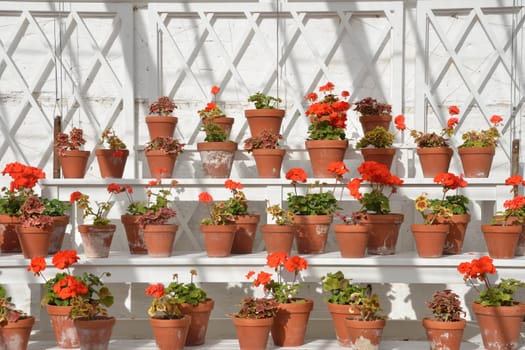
132,74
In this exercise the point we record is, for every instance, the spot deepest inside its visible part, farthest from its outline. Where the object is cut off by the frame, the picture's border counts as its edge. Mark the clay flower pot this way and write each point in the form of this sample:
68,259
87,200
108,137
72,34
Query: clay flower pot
278,238
501,240
34,240
434,160
269,162
324,152
64,330
94,334
159,239
289,326
365,334
134,236
370,122
476,161
311,233
218,239
383,230
245,230
170,334
217,158
200,316
160,163
261,119
352,240
444,335
111,163
96,239
430,239
15,335
252,333
161,126
74,164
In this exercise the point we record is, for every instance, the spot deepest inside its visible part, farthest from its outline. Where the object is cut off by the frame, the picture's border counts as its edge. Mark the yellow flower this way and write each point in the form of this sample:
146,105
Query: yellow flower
421,203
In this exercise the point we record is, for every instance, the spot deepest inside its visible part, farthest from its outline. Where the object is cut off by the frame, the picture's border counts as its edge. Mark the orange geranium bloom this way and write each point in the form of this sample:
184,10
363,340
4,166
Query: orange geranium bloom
296,175
65,258
233,185
496,119
338,168
215,89
275,259
205,197
155,290
262,279
453,110
452,122
399,121
37,265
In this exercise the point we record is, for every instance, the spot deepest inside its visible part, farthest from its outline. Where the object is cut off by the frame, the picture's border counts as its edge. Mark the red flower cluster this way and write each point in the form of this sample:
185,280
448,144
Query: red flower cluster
450,181
23,176
339,169
69,287
477,268
375,173
155,290
64,259
516,205
296,175
233,185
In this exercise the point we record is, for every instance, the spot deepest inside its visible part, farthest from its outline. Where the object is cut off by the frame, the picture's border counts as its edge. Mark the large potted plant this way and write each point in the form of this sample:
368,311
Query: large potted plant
478,148
111,161
365,321
266,115
98,234
268,157
35,229
253,322
15,324
157,228
218,229
313,212
160,122
72,158
278,236
376,145
383,226
326,140
445,328
24,179
498,314
290,323
338,301
373,113
60,293
433,149
170,326
161,154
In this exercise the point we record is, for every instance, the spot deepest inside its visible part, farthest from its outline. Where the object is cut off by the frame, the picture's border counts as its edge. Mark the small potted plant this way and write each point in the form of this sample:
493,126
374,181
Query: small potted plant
156,223
100,229
72,158
366,326
218,229
478,148
495,307
253,321
36,228
217,152
292,310
376,145
15,325
338,301
59,212
266,114
170,325
278,236
112,160
160,121
445,328
129,219
373,113
326,140
161,154
268,157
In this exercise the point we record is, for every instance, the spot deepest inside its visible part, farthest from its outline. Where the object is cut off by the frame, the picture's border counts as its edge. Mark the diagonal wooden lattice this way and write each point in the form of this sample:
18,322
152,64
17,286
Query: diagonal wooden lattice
431,72
73,20
297,16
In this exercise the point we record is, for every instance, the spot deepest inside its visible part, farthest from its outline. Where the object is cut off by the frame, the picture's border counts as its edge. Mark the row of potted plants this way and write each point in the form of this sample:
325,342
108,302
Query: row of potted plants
326,140
150,225
179,312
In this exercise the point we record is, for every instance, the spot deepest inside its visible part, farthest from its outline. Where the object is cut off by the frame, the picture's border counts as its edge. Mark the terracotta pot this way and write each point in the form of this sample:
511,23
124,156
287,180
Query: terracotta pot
444,335
74,164
111,164
261,119
456,234
269,162
311,233
499,325
476,161
383,156
339,313
383,231
370,122
225,123
94,334
434,160
8,237
501,240
160,164
162,126
430,239
34,240
324,152
135,237
170,334
278,238
290,323
252,333
520,247
364,334
64,330
352,240
200,317
217,158
59,231
218,239
96,239
15,335
159,239
245,230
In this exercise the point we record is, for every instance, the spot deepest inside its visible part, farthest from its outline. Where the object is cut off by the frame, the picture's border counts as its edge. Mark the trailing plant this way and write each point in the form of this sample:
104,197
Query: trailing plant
279,215
164,106
32,214
266,140
446,306
165,143
369,106
256,308
263,101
